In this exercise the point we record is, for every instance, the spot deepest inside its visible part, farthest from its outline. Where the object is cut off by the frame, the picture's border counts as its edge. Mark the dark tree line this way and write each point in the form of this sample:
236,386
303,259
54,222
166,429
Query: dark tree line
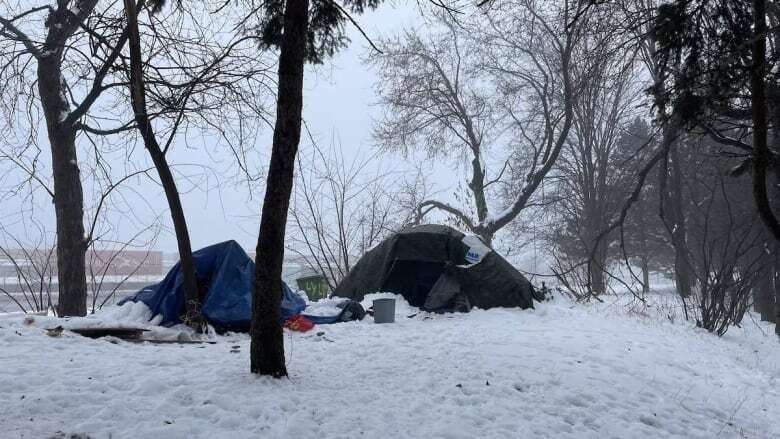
711,65
717,63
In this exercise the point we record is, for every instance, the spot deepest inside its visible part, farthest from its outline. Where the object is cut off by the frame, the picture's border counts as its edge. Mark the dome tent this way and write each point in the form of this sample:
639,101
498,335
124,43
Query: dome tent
438,268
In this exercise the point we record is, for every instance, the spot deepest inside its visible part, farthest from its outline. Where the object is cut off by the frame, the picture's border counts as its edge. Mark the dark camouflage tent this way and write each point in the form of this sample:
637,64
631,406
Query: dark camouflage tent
438,268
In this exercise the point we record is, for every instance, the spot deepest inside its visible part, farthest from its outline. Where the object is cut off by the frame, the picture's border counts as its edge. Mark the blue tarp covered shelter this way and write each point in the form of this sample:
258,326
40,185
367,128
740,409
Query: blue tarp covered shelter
228,273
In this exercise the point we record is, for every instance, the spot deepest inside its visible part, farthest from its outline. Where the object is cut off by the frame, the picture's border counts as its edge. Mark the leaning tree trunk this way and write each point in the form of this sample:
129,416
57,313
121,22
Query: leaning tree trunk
192,315
68,194
267,348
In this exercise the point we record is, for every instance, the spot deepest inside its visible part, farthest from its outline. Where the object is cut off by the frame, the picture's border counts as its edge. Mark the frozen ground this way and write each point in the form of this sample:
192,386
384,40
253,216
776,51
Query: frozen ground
560,371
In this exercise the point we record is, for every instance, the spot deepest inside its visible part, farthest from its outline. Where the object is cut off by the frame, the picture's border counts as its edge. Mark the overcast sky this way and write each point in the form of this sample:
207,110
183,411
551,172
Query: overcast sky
338,98
219,203
338,104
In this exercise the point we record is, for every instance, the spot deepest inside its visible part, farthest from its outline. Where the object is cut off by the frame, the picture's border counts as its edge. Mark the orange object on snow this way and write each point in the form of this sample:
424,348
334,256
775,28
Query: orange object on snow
298,323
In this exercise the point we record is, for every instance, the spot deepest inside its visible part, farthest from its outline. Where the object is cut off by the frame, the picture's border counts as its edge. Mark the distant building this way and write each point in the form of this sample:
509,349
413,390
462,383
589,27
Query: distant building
99,263
126,262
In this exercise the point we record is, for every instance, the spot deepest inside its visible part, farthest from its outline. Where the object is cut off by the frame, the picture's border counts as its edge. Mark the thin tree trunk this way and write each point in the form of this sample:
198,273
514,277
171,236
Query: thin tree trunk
644,253
682,266
764,294
777,294
68,194
192,315
597,268
673,215
267,346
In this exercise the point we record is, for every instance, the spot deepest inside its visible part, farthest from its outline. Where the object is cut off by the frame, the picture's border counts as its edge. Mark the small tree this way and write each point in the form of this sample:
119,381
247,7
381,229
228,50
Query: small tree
340,210
644,236
591,177
32,266
726,244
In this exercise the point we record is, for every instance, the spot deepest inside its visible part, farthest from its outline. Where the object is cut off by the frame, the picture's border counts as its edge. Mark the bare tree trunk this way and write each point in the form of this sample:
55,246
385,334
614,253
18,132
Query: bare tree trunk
138,96
68,194
673,214
267,348
644,252
598,284
597,267
764,294
763,291
682,266
777,294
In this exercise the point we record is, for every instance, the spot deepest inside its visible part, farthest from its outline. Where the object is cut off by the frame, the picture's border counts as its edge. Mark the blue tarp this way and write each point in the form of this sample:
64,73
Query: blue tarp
229,274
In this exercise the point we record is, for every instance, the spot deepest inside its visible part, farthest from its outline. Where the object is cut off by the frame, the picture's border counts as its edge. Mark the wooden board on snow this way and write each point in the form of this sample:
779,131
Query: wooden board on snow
123,333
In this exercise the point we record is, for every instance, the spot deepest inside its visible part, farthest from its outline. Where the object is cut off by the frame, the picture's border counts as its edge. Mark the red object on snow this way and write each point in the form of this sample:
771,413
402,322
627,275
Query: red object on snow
298,323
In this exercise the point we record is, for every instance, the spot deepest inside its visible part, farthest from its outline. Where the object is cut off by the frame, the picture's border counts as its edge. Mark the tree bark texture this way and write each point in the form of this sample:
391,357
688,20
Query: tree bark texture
267,346
68,193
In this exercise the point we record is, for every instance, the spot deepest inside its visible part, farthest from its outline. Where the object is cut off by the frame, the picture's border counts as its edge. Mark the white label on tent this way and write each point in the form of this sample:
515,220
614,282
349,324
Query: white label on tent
477,249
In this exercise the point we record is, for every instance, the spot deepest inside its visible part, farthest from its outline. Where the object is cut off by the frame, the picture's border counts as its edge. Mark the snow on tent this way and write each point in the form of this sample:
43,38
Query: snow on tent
438,268
227,274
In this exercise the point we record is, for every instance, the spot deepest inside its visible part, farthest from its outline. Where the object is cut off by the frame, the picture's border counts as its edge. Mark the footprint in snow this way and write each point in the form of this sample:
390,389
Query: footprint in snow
652,421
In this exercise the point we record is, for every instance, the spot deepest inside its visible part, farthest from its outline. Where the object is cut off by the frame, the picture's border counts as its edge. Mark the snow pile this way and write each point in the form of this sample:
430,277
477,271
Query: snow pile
560,371
324,308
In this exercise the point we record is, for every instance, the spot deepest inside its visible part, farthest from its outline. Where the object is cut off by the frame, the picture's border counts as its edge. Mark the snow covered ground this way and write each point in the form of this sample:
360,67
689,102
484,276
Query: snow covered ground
560,371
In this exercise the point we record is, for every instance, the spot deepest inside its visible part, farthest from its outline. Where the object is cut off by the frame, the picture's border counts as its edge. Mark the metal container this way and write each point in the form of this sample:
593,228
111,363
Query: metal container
384,310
